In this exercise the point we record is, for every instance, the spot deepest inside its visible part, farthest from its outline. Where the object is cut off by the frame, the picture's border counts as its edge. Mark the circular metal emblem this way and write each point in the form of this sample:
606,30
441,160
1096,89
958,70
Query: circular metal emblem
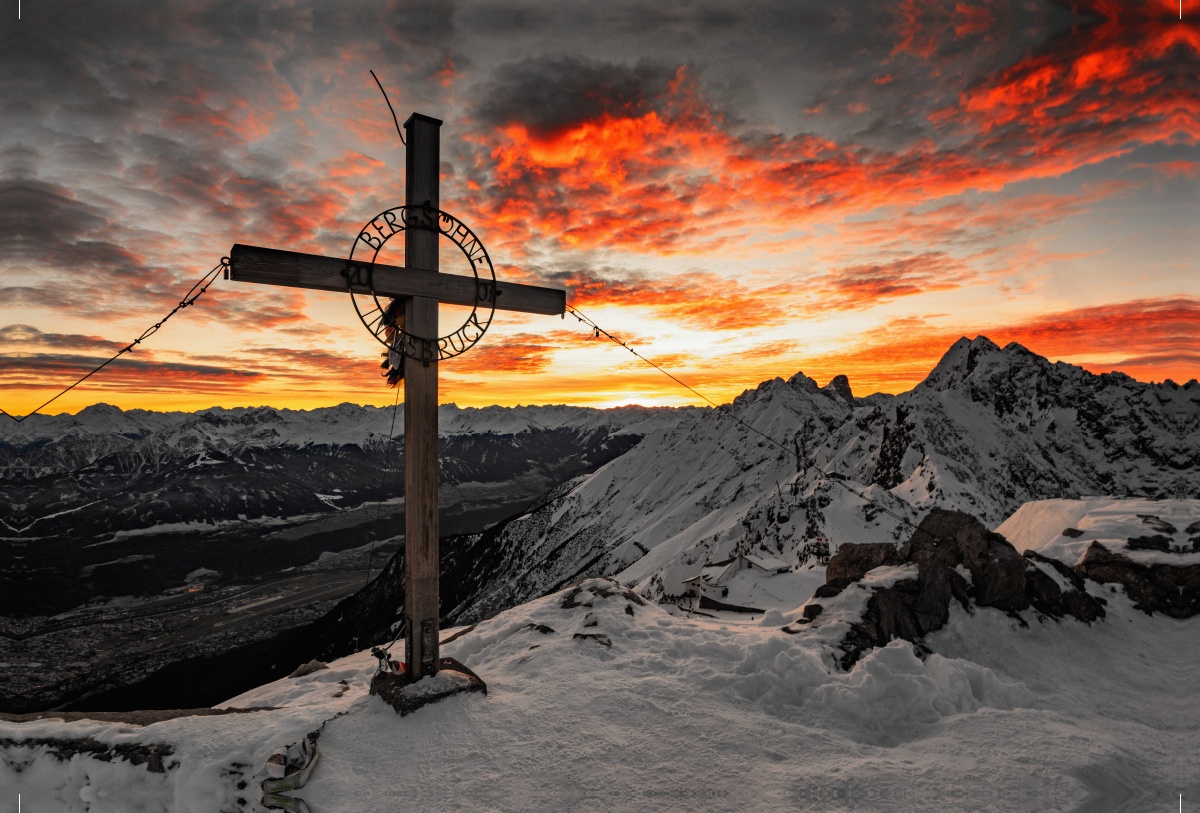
376,316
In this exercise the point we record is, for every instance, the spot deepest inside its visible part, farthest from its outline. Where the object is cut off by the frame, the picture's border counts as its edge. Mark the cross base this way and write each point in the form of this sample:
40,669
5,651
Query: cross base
407,696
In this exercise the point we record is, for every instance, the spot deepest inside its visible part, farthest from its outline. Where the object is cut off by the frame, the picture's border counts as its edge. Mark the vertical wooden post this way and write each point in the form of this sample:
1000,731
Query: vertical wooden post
421,600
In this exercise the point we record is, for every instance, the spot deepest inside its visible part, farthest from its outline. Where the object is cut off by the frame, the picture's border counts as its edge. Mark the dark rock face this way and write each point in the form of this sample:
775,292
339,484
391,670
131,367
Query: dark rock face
1172,590
832,587
572,599
853,561
947,539
1156,542
912,608
1048,598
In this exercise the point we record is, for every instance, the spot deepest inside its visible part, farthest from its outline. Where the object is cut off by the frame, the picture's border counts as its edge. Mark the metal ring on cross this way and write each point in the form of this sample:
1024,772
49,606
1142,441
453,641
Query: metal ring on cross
374,315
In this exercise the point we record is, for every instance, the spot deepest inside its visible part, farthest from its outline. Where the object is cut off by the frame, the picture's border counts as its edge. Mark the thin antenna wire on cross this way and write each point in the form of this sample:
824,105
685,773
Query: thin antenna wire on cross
389,104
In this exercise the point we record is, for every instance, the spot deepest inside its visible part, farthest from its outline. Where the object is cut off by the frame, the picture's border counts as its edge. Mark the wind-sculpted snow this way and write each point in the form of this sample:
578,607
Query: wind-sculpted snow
1146,531
599,701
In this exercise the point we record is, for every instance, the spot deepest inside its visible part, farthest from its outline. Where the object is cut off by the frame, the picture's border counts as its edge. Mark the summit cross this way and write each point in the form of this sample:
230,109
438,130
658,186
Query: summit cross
423,287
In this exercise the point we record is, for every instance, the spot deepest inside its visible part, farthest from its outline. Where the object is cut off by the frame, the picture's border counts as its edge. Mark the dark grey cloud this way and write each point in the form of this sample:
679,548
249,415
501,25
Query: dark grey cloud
44,225
548,93
15,338
47,368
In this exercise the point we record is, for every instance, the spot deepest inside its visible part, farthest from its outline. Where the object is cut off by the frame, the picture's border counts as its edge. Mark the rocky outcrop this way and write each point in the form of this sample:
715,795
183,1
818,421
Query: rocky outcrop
946,544
1173,590
854,561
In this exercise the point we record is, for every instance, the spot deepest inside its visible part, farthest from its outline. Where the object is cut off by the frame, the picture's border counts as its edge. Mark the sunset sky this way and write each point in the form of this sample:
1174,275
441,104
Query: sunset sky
738,190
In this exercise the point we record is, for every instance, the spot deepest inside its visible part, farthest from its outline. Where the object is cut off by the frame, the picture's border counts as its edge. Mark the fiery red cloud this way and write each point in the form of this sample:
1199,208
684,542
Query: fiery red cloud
1113,85
676,179
704,300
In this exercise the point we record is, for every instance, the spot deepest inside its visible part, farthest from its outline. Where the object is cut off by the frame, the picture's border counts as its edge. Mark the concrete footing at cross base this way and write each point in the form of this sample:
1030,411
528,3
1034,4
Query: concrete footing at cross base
453,678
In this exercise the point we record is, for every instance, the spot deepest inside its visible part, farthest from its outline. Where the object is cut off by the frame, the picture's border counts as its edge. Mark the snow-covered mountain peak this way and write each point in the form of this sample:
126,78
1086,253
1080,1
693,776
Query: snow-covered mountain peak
839,386
959,363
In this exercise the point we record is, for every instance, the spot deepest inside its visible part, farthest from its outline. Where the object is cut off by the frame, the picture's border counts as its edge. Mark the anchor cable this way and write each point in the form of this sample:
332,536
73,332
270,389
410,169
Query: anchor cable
188,299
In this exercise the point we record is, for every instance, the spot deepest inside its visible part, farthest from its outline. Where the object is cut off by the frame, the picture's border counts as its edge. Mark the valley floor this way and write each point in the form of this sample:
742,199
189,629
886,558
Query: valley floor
669,713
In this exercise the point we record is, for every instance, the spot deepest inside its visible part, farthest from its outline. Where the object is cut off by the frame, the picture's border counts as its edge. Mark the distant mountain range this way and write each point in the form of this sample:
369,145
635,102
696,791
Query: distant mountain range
100,493
263,462
644,495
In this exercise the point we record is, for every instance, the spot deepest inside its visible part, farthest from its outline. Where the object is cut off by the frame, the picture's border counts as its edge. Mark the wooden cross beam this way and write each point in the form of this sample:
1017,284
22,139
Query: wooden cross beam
420,281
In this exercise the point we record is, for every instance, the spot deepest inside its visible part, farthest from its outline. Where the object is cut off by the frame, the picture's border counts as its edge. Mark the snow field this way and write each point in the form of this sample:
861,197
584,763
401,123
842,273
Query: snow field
1112,521
676,715
686,714
1119,695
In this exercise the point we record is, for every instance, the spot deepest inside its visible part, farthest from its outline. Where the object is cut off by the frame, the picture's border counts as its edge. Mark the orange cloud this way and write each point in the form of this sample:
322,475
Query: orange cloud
342,173
699,299
1105,88
874,283
50,373
521,352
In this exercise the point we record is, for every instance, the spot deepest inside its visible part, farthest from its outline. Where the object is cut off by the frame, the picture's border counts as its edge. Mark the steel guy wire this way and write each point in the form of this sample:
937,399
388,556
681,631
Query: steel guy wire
724,409
188,299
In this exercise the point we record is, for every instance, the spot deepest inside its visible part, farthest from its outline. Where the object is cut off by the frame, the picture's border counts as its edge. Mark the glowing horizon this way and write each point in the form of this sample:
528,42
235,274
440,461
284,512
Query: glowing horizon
768,196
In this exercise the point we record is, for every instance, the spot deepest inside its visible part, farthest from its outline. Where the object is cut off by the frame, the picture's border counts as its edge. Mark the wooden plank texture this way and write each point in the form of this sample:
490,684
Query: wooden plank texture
422,601
270,266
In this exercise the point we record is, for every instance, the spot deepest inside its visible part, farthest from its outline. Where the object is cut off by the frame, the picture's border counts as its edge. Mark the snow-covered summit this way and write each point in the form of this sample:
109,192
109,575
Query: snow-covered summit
598,701
991,428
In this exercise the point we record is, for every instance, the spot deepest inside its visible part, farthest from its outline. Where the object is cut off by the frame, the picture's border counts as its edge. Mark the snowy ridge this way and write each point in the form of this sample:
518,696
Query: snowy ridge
988,430
991,429
698,491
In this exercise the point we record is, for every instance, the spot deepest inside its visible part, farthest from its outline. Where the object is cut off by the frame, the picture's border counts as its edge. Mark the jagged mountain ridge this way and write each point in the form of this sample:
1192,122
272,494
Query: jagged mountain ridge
988,430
